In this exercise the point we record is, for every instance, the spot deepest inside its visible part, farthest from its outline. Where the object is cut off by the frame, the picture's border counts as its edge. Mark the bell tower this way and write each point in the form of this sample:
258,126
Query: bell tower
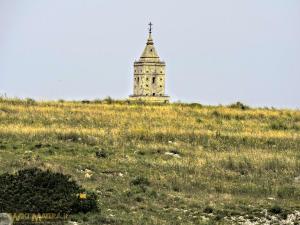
149,75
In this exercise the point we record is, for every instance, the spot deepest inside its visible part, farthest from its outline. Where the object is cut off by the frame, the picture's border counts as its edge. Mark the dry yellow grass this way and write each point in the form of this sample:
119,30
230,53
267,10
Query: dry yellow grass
228,158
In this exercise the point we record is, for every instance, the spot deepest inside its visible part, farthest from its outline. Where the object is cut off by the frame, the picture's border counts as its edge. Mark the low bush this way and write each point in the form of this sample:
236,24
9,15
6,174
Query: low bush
275,209
36,191
239,105
208,209
30,101
101,153
140,181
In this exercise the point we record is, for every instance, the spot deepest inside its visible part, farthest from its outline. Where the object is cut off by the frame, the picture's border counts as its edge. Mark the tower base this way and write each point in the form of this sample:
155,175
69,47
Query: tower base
153,99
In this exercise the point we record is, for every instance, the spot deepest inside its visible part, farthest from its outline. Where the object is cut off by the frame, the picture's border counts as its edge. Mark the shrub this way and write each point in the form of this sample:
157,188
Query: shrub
275,209
215,113
199,120
239,105
140,181
30,101
36,191
208,209
108,100
85,101
195,105
101,153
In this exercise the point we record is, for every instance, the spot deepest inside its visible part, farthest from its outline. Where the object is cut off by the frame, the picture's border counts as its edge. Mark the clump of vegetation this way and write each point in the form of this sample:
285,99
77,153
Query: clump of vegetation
230,156
278,125
195,105
208,209
30,101
108,100
102,153
140,181
34,190
86,101
276,209
239,105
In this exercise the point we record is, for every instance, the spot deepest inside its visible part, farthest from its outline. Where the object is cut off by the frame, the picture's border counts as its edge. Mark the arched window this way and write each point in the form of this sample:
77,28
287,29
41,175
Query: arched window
153,94
153,80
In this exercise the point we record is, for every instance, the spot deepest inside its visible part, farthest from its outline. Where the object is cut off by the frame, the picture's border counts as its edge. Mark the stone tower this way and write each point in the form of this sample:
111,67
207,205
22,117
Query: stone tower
149,75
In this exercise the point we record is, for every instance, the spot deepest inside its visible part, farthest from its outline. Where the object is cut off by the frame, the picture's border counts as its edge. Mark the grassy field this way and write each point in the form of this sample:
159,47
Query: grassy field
161,164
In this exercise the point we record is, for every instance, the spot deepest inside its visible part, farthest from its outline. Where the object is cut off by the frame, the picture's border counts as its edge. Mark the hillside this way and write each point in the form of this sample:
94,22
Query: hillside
161,164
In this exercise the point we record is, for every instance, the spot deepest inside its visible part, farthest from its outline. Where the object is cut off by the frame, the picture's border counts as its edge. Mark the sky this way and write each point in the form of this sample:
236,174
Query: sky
216,51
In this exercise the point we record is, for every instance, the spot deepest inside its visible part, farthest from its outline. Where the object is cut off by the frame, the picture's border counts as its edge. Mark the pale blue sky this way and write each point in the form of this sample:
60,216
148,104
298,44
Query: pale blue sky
216,51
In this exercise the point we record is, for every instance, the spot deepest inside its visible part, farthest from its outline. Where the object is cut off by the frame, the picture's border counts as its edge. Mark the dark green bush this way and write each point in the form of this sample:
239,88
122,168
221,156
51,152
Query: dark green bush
140,181
275,209
208,209
36,191
239,105
101,153
85,101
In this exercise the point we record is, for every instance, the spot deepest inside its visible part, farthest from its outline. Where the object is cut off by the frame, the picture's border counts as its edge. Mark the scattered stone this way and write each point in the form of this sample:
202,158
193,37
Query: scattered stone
88,175
5,219
266,218
203,218
88,171
297,179
173,154
73,223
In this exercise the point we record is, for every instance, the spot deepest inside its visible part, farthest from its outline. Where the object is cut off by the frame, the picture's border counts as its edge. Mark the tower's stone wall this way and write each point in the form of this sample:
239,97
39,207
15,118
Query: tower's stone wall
149,76
149,79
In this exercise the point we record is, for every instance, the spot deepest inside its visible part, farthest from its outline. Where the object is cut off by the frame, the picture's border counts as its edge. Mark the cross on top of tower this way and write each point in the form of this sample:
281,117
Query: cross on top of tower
150,27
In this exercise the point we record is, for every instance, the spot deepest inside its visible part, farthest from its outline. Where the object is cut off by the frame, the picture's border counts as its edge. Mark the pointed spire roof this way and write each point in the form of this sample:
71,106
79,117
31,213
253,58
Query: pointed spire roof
149,53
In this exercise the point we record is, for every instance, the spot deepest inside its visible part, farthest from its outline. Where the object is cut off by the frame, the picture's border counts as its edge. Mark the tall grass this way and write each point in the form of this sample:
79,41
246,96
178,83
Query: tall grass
232,155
